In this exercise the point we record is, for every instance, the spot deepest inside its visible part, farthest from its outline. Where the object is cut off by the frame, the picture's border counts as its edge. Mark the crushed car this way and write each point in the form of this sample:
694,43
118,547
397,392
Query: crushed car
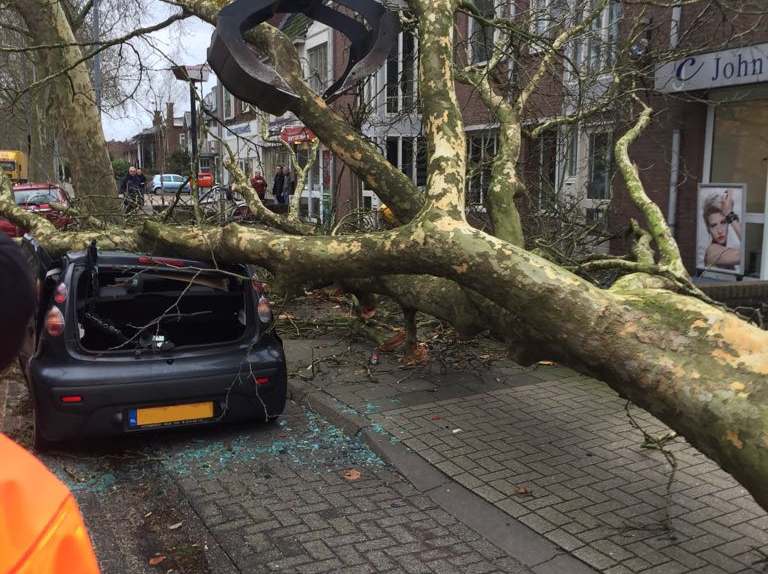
127,343
42,199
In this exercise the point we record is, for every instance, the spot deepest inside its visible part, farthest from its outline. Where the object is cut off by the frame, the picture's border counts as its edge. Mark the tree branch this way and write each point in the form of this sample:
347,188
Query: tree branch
657,225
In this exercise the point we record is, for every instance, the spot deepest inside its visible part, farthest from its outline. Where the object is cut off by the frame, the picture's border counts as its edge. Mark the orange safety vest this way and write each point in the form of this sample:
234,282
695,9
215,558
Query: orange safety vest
41,529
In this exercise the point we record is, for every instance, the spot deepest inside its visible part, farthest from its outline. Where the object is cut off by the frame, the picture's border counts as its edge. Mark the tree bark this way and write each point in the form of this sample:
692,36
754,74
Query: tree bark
79,120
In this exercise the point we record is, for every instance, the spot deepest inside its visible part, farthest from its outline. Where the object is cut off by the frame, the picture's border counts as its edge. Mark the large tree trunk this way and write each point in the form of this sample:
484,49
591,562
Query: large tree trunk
79,120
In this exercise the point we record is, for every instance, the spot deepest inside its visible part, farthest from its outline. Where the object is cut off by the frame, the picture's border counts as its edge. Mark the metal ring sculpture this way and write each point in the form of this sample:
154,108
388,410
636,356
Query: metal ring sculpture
245,75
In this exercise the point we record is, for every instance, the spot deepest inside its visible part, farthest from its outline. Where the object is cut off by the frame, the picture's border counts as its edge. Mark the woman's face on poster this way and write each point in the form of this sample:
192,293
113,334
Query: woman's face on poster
717,227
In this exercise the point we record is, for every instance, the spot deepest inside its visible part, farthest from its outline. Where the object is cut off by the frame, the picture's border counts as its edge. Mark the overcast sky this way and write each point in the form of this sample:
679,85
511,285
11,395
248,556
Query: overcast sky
185,42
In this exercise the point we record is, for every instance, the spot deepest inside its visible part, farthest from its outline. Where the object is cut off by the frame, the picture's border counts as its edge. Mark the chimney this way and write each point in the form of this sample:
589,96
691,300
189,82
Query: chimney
169,113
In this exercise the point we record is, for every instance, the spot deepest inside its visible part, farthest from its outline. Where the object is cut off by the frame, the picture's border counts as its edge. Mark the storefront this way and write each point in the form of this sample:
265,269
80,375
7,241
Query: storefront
732,235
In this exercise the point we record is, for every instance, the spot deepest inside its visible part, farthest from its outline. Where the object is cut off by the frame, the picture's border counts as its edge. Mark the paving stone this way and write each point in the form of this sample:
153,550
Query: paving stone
570,443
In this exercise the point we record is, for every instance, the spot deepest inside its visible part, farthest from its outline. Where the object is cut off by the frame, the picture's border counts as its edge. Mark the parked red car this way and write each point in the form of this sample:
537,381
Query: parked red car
38,197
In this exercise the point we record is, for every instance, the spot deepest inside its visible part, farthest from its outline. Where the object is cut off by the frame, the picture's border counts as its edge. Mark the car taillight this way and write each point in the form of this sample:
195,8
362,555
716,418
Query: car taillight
261,380
264,310
61,294
71,399
54,322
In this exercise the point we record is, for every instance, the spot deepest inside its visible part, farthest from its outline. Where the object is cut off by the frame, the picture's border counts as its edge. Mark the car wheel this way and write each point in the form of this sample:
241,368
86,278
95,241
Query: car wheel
39,442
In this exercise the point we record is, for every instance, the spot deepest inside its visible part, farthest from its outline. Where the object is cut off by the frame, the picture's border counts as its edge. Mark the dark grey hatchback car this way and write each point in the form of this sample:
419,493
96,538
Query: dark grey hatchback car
126,343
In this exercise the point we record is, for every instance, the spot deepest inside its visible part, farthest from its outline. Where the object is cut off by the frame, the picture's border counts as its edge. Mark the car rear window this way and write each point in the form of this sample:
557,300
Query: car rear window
160,309
36,196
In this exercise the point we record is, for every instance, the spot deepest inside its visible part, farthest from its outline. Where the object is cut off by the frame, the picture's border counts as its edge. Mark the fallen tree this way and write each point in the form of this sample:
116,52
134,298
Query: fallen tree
652,336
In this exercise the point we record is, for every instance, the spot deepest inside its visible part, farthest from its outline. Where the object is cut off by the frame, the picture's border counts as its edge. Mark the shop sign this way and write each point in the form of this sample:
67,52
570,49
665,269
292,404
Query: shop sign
733,67
239,129
297,134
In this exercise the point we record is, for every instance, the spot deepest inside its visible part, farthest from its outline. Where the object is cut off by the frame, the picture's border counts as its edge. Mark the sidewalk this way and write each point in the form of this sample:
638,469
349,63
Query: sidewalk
551,451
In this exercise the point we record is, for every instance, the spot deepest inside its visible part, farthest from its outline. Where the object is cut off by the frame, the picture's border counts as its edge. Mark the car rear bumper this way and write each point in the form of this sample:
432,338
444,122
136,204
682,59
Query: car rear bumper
111,392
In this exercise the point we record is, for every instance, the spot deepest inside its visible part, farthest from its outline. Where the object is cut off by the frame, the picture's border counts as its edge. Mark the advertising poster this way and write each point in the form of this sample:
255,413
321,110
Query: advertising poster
720,228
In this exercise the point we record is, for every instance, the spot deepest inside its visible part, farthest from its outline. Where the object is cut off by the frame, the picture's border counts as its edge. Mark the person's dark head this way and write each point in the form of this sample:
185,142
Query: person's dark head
279,169
139,171
17,299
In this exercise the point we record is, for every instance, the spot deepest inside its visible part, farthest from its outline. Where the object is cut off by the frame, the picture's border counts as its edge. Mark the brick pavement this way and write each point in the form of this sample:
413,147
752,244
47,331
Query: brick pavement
259,498
289,509
555,450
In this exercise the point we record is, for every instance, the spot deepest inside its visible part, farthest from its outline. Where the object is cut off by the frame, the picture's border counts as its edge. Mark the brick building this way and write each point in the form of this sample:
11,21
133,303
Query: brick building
153,146
709,127
711,114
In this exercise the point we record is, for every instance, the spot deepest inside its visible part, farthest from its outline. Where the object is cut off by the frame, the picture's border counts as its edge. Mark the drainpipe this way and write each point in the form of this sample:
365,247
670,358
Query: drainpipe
674,32
674,173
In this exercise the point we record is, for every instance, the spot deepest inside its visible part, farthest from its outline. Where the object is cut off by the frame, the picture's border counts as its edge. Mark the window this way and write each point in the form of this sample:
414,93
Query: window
408,77
571,151
481,36
229,106
481,149
407,157
393,151
245,166
597,217
595,51
318,67
547,17
182,139
244,106
542,167
600,163
400,71
408,154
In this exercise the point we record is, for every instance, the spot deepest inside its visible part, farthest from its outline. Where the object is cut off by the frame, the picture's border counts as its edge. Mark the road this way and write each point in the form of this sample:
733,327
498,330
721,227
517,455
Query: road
297,495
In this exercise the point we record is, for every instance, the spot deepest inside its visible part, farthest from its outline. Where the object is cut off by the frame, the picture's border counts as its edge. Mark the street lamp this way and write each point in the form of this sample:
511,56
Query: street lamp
193,74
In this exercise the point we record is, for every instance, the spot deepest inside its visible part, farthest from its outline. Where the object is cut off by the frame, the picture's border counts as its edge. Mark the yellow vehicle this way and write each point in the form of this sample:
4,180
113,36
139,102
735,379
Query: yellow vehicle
15,165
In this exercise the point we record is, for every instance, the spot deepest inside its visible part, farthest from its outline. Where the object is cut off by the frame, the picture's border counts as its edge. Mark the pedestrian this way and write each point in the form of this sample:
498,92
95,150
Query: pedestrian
278,185
130,187
290,183
142,180
259,185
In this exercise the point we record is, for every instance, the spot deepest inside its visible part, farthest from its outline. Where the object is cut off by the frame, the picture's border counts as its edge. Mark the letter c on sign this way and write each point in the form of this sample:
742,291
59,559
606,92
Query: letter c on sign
681,69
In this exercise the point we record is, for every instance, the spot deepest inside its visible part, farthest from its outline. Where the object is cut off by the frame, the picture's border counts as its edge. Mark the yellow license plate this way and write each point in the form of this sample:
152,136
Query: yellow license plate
170,414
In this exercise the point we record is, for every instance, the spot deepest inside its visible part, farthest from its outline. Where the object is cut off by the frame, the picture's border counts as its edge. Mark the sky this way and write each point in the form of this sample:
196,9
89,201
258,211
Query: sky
185,42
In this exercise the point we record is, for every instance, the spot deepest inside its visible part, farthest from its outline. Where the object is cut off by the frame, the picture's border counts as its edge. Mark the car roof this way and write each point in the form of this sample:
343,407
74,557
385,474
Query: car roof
128,258
29,186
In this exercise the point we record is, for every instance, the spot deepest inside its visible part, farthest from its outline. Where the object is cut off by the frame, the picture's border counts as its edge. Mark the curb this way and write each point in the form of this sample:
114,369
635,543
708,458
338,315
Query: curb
509,534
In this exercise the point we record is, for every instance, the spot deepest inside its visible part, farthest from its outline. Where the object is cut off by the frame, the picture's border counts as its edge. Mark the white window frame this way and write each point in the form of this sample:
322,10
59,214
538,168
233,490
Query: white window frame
490,132
542,26
576,185
318,34
607,36
244,106
318,83
231,98
471,24
415,85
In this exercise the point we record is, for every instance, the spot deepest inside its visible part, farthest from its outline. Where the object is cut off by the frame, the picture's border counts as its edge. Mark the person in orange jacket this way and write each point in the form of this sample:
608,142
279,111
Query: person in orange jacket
41,529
